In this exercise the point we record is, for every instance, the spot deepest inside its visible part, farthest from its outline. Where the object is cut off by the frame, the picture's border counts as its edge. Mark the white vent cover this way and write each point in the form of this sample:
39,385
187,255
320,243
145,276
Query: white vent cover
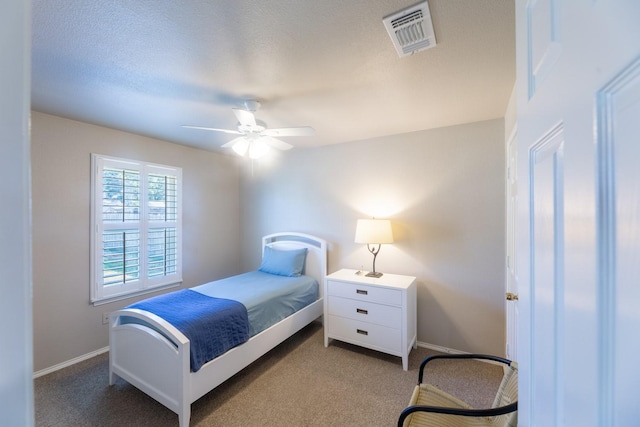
411,30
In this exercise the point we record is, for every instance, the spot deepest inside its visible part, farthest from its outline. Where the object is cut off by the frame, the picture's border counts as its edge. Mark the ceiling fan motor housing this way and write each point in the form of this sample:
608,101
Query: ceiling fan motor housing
249,128
252,105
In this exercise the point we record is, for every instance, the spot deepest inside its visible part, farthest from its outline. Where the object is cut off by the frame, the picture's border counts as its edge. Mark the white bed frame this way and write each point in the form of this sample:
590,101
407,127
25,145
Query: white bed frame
156,359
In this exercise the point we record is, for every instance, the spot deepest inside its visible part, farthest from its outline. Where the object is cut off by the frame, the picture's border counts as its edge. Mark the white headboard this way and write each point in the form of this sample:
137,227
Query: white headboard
316,264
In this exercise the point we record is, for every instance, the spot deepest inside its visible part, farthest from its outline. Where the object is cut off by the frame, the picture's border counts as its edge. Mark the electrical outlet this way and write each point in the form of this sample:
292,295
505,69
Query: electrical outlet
105,318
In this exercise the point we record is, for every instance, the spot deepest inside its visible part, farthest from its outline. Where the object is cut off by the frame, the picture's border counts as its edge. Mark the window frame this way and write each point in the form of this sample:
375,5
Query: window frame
101,294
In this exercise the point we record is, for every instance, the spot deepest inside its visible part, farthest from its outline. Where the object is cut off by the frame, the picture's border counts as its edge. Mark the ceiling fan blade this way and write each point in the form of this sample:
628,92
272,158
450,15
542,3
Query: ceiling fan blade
296,131
246,118
213,129
233,142
276,143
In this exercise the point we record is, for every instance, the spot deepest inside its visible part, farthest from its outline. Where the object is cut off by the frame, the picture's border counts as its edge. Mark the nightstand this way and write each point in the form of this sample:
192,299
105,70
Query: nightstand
376,313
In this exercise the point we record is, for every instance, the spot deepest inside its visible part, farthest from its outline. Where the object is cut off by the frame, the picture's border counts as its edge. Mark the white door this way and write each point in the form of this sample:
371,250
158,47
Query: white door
16,334
578,221
511,275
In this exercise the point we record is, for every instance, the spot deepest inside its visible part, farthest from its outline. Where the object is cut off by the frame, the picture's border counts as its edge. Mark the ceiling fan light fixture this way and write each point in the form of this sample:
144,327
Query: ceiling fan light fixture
241,147
258,148
253,146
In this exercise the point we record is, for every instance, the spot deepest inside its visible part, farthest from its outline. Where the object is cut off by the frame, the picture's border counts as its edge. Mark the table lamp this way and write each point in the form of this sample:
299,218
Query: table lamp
374,232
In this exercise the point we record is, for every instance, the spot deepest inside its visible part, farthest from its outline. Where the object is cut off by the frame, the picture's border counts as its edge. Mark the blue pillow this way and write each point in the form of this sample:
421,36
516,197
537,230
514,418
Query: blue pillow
283,263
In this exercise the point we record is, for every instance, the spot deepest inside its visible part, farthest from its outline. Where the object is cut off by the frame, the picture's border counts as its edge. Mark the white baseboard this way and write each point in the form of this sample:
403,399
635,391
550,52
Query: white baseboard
440,348
453,351
79,359
69,362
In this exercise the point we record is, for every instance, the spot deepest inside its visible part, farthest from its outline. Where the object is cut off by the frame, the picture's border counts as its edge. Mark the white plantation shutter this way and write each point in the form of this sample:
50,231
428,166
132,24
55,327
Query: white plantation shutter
120,257
137,227
162,214
120,210
162,254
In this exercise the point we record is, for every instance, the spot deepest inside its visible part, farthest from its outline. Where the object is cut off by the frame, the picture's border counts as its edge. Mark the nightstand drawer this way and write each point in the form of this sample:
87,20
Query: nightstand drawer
376,337
365,311
365,292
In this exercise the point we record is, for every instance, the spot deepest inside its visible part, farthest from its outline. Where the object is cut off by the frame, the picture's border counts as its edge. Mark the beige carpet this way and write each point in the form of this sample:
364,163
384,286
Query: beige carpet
299,383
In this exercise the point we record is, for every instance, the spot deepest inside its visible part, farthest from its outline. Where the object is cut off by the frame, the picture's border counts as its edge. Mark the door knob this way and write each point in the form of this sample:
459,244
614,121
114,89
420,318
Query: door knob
511,296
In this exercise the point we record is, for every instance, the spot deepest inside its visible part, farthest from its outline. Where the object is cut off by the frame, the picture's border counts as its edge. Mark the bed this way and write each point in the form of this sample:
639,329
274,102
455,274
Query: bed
153,355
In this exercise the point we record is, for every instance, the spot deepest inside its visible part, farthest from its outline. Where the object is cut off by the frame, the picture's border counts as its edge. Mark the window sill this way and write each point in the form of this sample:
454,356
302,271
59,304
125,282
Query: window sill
107,300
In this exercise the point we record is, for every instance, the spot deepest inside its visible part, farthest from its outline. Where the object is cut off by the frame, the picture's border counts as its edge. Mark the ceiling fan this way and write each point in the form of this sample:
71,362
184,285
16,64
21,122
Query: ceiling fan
256,139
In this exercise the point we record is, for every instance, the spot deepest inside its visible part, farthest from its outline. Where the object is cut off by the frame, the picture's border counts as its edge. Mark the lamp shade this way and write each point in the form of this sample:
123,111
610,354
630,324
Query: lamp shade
374,231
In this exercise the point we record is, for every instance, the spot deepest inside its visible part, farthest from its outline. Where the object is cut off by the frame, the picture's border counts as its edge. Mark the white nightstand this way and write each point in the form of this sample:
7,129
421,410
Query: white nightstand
377,313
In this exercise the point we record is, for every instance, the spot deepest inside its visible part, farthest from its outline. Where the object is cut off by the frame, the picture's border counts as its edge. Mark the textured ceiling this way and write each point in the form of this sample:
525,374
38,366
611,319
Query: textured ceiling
150,66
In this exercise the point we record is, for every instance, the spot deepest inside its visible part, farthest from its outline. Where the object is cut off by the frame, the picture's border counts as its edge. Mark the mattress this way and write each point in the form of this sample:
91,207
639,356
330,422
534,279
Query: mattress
269,298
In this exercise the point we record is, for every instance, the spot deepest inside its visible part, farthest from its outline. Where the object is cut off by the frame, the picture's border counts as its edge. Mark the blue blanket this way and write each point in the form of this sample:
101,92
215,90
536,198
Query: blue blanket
212,325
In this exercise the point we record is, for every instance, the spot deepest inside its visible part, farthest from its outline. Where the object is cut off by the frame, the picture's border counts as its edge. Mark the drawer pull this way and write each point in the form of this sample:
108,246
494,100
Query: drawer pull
362,292
361,311
362,332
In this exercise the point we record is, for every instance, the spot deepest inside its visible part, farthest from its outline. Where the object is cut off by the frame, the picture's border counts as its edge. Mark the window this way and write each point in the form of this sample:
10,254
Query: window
136,223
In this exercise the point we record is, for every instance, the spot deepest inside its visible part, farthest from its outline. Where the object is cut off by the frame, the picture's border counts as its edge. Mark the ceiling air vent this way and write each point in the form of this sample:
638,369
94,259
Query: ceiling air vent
411,30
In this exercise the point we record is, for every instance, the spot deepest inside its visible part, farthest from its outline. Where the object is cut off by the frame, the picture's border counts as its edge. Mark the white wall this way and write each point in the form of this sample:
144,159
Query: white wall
16,385
443,189
66,325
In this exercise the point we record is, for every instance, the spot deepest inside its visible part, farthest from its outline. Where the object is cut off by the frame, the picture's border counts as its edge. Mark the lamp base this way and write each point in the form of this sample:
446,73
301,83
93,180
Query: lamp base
373,274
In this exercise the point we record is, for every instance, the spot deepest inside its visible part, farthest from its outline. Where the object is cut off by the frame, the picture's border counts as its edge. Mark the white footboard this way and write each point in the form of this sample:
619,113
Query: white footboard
153,356
158,363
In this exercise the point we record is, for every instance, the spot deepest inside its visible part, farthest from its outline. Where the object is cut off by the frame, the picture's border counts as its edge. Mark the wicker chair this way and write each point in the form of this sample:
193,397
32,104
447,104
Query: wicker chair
431,407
